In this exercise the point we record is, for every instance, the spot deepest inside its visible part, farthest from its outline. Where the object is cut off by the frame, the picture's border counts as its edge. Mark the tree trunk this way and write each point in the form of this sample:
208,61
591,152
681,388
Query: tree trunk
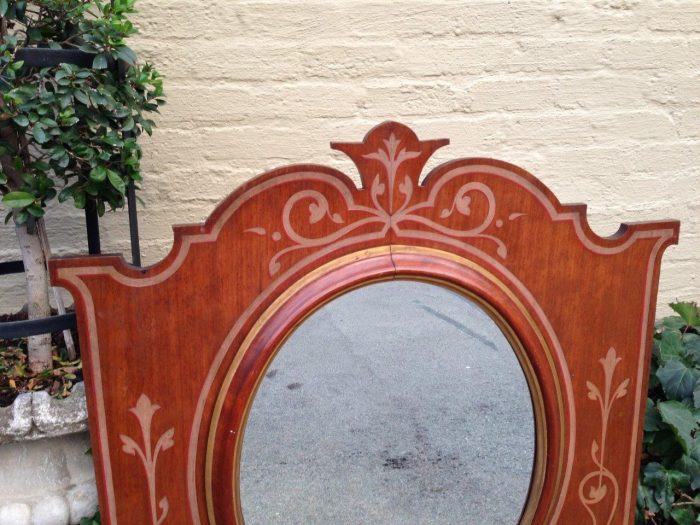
38,306
60,306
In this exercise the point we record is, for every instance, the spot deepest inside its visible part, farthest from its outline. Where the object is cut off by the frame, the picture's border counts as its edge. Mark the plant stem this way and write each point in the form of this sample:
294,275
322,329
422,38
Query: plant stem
46,249
38,346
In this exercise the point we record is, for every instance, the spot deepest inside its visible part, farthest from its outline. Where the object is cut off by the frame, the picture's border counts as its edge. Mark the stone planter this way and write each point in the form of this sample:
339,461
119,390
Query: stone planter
46,477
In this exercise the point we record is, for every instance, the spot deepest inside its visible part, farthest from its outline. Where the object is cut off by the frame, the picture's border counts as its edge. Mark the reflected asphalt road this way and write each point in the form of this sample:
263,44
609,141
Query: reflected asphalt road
399,403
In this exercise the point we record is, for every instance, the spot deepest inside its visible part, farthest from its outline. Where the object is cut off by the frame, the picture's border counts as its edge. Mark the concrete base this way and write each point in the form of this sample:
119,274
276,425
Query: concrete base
46,474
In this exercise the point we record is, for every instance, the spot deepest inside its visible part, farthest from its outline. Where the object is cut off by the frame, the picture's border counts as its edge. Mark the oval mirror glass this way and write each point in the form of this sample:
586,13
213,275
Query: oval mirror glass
400,402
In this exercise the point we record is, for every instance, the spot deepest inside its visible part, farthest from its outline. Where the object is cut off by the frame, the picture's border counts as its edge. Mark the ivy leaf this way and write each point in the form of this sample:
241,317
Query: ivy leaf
645,499
689,312
116,180
691,342
18,199
671,345
696,394
664,482
677,379
683,515
691,467
684,424
672,322
652,420
664,443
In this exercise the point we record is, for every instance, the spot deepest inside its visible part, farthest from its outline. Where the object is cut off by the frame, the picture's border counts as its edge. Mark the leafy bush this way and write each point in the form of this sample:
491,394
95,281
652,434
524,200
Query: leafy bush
67,133
75,125
669,488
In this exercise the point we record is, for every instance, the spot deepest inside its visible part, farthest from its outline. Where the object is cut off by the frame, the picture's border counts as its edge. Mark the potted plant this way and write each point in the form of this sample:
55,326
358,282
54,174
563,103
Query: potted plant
68,132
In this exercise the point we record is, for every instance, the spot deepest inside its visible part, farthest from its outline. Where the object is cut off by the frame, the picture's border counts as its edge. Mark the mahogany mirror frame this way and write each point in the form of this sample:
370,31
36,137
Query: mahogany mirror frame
167,421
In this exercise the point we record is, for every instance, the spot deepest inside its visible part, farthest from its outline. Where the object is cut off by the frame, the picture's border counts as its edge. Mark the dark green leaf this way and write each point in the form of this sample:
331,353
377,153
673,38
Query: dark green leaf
65,100
645,499
21,216
3,7
39,134
683,515
21,120
100,61
79,199
664,444
696,394
36,211
116,180
128,124
65,193
691,467
664,482
81,96
677,379
98,173
671,345
691,343
684,424
126,54
88,48
652,420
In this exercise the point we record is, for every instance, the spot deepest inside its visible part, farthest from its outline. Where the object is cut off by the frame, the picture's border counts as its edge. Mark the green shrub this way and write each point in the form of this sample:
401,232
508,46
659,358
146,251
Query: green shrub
669,487
67,133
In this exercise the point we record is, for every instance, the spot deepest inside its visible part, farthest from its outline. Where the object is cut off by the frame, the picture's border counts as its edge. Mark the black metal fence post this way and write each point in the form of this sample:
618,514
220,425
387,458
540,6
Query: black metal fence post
92,225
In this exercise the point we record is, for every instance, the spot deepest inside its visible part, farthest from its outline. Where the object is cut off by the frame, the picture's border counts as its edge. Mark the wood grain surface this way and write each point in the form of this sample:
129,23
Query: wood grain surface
174,353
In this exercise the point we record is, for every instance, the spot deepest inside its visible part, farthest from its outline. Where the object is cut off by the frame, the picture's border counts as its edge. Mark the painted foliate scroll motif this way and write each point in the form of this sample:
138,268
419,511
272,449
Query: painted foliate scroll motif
394,203
148,454
601,484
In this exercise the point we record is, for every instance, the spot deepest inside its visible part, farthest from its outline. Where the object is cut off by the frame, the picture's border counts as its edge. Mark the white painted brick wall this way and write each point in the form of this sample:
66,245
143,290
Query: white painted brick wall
600,99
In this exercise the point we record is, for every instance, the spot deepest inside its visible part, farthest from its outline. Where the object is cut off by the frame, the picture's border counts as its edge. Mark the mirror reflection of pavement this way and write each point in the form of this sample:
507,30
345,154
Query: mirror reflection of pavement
398,403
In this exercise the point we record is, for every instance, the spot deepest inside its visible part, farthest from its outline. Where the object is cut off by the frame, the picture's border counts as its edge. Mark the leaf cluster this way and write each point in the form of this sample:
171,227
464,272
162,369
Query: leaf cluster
669,488
66,131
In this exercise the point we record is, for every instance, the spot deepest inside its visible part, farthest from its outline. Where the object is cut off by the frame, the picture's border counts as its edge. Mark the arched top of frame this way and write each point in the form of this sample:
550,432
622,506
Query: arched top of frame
463,201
